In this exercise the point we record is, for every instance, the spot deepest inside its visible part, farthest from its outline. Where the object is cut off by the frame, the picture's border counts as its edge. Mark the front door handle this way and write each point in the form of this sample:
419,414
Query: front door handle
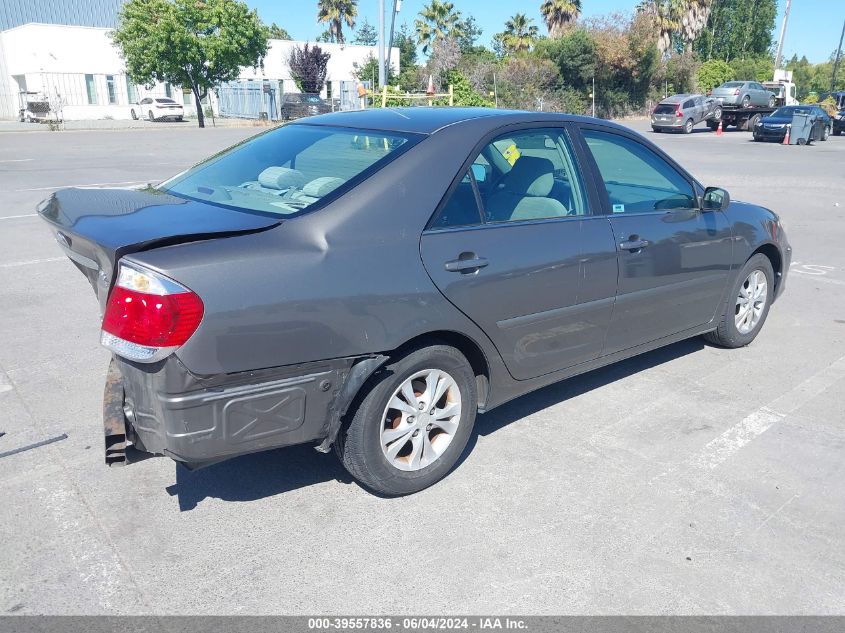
633,245
468,265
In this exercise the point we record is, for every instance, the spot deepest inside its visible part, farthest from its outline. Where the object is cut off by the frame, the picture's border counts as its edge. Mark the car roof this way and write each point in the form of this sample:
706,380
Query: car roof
679,97
428,120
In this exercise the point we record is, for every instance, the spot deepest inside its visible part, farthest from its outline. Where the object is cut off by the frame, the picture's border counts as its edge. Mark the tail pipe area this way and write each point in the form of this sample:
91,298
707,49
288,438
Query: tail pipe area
114,418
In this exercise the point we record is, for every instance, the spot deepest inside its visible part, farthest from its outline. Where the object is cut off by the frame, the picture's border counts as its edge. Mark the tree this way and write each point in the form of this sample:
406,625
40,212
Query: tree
366,35
559,15
469,34
438,20
308,67
276,32
190,43
575,56
737,29
406,42
714,72
519,35
677,23
368,71
336,13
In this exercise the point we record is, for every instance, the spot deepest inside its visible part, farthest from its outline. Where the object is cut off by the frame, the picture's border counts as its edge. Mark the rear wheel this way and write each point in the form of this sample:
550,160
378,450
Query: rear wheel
150,116
748,304
414,422
772,101
825,133
746,101
688,126
655,129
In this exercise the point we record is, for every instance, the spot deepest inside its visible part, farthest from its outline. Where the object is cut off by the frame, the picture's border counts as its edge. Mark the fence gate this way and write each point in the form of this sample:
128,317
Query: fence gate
246,99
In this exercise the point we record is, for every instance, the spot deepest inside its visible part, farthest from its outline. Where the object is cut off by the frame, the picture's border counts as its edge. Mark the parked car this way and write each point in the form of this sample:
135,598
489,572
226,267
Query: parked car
773,127
682,112
157,109
839,123
744,94
296,106
371,280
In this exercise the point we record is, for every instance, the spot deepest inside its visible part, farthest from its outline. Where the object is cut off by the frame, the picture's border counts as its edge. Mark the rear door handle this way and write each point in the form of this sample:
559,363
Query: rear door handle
466,265
633,245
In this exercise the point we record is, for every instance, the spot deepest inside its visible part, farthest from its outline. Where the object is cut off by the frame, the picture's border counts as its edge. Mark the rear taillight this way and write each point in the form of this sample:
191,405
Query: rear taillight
678,112
148,316
736,92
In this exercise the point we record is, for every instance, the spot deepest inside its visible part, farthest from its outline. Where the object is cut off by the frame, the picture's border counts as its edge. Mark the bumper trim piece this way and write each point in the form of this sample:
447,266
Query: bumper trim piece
114,419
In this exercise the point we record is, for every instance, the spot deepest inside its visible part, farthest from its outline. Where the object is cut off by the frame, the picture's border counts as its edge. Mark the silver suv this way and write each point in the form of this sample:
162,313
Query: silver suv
684,111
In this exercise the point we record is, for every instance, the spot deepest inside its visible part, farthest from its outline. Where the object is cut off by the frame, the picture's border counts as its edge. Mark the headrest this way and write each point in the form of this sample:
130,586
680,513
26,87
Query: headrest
320,187
531,176
281,178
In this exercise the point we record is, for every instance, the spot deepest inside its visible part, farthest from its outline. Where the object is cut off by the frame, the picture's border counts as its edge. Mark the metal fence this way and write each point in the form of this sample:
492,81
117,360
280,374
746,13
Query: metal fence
248,99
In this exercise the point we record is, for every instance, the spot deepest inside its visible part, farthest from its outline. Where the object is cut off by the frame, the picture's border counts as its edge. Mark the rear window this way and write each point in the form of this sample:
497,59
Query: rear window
165,101
289,169
665,108
732,84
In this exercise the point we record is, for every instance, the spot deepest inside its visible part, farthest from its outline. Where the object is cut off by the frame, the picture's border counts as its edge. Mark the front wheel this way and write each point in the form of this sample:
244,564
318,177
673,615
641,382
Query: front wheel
133,114
717,114
414,422
748,304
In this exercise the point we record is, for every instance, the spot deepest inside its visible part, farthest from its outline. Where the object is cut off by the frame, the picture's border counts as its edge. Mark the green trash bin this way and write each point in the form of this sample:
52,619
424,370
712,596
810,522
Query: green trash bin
801,131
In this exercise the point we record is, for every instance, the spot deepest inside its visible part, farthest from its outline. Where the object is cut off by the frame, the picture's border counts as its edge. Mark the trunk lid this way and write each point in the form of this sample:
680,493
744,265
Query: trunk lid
96,227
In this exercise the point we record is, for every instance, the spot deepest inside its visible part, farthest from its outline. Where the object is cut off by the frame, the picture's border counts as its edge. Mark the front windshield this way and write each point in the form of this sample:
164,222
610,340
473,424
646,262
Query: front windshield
289,169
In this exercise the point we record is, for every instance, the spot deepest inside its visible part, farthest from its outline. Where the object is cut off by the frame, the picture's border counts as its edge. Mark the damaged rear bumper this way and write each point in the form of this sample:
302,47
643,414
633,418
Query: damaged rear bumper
163,409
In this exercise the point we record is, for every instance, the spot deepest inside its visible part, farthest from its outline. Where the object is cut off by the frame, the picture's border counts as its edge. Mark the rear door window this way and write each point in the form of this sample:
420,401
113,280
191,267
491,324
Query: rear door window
689,103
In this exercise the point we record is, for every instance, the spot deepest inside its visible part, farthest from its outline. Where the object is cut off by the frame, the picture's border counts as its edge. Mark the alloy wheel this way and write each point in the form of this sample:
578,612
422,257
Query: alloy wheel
420,420
753,294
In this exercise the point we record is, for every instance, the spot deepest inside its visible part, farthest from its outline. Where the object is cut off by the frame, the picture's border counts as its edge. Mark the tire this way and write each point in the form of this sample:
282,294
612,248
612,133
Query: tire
688,126
713,125
133,114
656,130
772,101
746,101
179,119
801,141
728,334
752,122
362,446
837,132
717,114
150,116
826,133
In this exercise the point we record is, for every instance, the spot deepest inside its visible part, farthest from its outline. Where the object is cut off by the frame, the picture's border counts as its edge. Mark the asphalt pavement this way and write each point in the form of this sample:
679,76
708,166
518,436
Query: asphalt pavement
690,480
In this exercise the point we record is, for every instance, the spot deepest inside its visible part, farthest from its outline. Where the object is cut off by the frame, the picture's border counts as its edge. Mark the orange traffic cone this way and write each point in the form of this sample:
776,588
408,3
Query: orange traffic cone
786,136
719,129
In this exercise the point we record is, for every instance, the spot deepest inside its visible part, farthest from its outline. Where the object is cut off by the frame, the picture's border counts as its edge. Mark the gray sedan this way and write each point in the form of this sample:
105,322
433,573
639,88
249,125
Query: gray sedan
744,94
370,281
683,111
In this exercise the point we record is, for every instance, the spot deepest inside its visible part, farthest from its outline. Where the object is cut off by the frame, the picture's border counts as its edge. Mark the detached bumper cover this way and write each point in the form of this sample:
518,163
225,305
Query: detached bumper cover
165,410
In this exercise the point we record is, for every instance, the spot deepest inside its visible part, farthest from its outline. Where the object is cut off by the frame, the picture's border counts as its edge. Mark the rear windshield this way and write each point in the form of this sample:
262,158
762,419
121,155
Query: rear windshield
289,169
665,108
165,100
731,84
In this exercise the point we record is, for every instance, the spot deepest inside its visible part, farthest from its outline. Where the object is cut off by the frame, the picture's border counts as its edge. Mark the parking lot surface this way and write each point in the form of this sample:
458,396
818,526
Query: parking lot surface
688,480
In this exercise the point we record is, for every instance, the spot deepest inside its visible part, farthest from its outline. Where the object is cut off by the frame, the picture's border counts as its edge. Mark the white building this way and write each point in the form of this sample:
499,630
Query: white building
80,71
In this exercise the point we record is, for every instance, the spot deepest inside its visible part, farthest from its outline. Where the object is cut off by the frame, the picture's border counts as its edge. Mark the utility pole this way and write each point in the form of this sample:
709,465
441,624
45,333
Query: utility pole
397,7
782,34
836,62
381,77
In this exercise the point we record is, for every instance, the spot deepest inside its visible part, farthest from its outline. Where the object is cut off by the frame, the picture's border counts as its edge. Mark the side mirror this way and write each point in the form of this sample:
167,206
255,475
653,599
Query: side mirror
715,199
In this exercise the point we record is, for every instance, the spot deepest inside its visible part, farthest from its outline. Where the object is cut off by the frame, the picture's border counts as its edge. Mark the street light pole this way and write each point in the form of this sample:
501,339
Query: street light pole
836,63
397,7
381,78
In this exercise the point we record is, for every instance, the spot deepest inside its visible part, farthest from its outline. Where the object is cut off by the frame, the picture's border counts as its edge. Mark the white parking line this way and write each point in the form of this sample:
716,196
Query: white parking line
17,160
12,217
720,449
32,261
88,184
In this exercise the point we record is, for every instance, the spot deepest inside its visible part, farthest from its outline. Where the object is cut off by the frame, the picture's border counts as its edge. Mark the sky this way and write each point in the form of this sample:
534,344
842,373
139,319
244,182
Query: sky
814,25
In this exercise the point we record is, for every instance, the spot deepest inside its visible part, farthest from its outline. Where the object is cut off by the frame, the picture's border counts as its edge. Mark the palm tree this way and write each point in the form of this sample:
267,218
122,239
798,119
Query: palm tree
336,13
438,20
684,19
520,34
560,14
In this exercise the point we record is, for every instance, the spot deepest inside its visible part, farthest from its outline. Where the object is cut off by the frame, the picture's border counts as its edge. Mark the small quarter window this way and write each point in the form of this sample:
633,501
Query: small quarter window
461,209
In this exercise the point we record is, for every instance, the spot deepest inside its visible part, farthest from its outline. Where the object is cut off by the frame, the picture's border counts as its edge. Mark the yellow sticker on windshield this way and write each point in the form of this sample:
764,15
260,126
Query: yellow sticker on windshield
511,154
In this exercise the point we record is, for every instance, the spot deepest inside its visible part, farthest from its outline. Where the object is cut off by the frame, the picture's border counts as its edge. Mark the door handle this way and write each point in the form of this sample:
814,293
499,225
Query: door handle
633,245
466,265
